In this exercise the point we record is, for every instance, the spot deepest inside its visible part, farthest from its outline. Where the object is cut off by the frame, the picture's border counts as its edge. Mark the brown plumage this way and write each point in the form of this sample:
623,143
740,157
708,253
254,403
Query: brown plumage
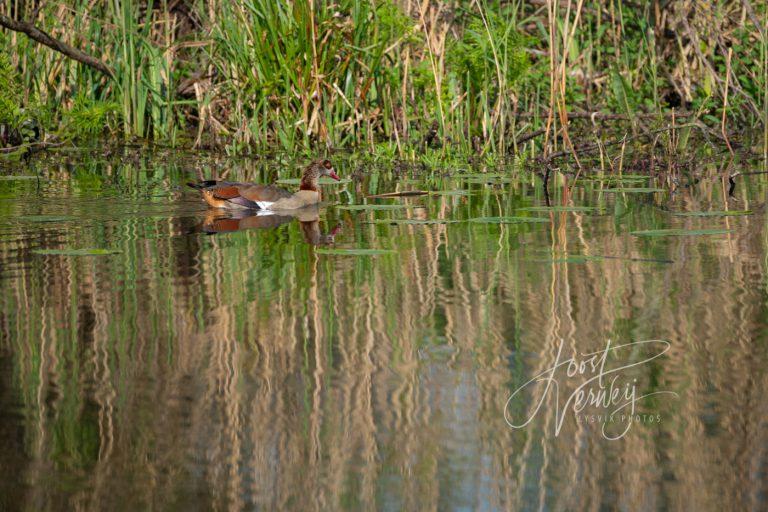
227,194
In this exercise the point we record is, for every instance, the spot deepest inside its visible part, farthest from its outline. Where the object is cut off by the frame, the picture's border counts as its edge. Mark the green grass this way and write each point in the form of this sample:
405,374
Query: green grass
382,74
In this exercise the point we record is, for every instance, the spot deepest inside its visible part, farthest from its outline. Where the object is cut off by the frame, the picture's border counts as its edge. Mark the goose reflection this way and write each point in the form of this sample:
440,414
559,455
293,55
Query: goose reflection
218,221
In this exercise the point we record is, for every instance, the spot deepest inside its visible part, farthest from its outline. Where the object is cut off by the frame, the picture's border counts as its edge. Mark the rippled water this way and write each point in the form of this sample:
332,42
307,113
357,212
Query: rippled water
215,363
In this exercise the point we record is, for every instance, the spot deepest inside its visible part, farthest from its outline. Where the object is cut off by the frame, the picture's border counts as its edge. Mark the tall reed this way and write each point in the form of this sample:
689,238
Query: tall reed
470,75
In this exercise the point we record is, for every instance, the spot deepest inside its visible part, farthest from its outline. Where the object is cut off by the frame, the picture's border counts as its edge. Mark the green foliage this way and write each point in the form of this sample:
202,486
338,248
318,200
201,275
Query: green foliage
10,97
422,77
392,23
624,97
297,73
88,118
474,56
318,67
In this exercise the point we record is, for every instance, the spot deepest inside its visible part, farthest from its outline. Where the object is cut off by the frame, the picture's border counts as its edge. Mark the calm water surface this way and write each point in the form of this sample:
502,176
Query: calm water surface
215,363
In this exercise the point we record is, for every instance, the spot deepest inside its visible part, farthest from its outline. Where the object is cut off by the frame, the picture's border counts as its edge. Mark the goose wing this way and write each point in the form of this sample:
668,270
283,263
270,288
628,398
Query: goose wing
245,195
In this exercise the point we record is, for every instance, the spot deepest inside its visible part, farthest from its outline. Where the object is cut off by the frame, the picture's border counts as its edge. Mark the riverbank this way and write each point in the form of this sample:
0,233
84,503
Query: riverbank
478,77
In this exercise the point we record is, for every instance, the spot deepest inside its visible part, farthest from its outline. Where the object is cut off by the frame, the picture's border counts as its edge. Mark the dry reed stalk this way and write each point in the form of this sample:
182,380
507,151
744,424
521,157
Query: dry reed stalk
725,99
434,49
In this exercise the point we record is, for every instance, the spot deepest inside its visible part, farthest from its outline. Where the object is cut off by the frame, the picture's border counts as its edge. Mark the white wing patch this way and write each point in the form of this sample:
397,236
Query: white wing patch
265,205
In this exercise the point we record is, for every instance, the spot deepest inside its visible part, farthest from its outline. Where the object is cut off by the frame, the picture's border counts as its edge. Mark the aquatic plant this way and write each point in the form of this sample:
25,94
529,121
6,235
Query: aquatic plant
475,76
88,118
10,99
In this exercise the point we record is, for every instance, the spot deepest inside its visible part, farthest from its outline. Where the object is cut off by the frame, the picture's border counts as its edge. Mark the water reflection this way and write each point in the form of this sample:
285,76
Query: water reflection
246,370
222,221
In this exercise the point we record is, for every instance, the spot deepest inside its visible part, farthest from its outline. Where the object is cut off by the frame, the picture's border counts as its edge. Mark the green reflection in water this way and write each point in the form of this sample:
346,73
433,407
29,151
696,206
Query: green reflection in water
220,361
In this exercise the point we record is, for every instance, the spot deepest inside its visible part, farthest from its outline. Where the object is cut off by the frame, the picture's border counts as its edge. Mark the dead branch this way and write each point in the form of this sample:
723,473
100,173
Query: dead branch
603,116
43,38
37,146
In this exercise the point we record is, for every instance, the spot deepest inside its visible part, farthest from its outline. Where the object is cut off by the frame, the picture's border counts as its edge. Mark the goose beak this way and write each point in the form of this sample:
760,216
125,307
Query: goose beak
333,175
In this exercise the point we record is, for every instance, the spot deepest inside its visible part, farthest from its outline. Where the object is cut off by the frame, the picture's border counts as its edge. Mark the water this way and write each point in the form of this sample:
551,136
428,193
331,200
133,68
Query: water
248,370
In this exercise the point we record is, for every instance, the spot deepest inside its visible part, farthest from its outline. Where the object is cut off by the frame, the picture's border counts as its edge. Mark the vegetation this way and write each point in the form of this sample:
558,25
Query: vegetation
10,100
477,75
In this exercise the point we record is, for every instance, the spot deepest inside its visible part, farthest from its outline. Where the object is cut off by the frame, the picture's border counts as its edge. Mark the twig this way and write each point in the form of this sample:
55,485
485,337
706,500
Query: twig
751,13
31,145
584,148
531,135
693,36
60,46
621,159
606,116
725,99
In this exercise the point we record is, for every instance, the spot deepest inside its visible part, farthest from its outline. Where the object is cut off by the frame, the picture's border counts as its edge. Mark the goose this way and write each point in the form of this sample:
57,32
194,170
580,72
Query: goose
267,198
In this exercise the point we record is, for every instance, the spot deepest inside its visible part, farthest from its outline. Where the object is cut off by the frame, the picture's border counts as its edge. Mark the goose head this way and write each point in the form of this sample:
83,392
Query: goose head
313,172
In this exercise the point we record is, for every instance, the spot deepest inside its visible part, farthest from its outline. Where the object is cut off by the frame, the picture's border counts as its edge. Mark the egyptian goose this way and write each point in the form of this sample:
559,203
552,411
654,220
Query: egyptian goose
269,198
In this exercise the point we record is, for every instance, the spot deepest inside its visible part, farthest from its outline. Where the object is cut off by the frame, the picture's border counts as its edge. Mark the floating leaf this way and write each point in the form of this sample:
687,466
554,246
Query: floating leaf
635,190
643,260
45,218
75,252
569,259
579,258
558,209
356,207
488,180
715,213
355,252
619,177
404,193
679,232
422,222
508,220
481,175
323,181
459,192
